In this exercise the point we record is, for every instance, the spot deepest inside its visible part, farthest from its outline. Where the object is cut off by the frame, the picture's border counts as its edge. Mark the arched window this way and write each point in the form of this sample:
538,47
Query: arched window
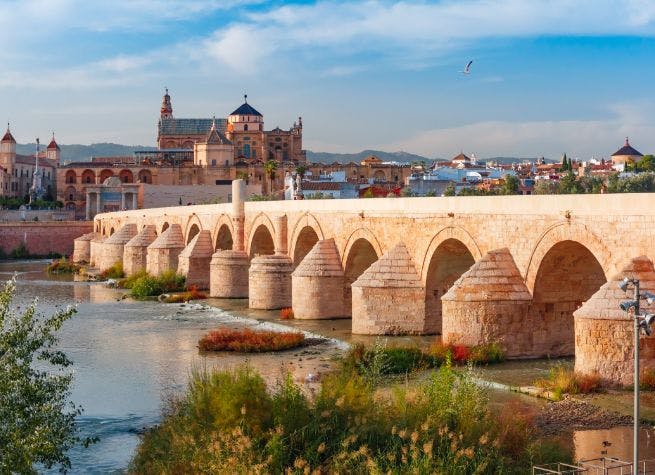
245,127
246,150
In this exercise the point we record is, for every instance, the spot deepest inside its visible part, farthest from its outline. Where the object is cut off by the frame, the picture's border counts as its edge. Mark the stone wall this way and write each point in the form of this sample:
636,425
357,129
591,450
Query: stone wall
42,238
12,215
156,196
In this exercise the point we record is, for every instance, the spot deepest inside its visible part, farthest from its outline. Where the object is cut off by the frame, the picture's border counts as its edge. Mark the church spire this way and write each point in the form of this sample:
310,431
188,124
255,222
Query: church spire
166,111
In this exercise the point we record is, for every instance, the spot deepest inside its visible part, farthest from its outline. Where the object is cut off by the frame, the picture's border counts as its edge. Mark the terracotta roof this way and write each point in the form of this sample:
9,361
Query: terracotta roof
461,158
53,145
320,186
8,137
627,150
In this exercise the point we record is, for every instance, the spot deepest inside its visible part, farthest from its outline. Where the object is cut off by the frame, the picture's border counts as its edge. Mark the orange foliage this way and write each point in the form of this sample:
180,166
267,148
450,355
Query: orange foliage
249,341
286,313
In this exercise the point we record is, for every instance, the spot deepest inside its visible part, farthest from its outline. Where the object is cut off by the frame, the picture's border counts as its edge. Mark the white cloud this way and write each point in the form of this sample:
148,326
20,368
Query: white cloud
410,31
577,138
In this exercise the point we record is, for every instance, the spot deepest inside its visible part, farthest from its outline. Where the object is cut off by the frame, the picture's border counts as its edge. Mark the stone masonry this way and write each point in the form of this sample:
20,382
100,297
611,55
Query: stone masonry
194,260
317,284
489,303
164,252
135,251
112,249
604,334
389,298
82,248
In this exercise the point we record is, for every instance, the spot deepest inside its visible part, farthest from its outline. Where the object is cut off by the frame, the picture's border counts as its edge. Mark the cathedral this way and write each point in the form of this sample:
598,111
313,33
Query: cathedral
243,129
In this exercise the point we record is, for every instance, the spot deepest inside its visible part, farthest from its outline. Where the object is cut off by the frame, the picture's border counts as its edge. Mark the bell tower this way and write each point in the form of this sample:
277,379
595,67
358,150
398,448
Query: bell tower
8,150
166,111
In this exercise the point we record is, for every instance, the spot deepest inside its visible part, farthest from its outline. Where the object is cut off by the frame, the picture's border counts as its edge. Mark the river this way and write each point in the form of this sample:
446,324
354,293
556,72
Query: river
130,356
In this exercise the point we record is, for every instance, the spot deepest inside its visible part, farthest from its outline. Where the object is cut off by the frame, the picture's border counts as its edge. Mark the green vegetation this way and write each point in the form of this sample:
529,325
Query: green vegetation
15,203
143,285
114,272
191,294
62,266
383,360
255,197
562,380
229,422
250,341
38,420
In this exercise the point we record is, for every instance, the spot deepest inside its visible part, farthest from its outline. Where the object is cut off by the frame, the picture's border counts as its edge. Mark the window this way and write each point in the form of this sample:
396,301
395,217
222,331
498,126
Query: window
213,163
246,138
246,150
260,127
254,153
245,127
227,163
70,197
278,139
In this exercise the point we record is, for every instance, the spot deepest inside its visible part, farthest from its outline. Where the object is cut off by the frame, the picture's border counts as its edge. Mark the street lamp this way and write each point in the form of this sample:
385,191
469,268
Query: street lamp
641,323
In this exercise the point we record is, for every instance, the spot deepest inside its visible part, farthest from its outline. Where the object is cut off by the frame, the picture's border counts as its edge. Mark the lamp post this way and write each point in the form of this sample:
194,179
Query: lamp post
641,323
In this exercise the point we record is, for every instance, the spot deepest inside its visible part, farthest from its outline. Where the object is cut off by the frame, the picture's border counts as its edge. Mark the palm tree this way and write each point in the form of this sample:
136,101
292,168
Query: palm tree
269,167
301,170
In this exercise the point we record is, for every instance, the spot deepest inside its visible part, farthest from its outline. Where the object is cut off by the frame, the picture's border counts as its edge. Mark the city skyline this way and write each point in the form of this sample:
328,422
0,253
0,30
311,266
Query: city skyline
547,77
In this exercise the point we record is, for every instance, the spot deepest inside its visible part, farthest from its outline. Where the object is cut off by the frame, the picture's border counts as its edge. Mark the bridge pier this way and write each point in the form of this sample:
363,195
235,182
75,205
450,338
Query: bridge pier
164,251
317,284
194,260
490,303
135,251
111,251
95,248
82,248
604,334
269,277
228,269
389,297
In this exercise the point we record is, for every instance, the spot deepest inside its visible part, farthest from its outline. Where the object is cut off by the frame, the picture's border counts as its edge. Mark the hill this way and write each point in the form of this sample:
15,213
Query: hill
83,153
328,157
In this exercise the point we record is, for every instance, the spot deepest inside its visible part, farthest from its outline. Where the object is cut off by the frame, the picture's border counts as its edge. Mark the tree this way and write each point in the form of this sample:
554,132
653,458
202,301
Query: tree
270,167
406,192
646,164
450,190
301,170
38,420
511,185
566,165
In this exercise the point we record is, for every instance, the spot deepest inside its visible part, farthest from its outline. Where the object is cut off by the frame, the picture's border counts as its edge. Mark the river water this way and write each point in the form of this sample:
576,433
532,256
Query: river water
130,356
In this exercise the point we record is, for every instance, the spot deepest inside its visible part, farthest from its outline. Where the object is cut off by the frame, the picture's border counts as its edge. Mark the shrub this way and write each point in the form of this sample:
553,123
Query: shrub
562,380
286,313
382,360
648,379
144,285
191,294
113,272
62,266
249,341
129,281
487,353
20,252
230,422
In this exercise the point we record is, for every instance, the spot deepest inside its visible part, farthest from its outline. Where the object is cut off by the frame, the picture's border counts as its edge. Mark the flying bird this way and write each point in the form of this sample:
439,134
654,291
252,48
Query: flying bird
467,68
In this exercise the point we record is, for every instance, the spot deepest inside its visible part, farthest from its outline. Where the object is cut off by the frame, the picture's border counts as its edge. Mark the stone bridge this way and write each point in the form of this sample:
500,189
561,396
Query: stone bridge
508,269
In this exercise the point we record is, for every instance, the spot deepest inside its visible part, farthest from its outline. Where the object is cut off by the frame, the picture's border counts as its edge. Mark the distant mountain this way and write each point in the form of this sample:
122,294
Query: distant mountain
84,153
328,157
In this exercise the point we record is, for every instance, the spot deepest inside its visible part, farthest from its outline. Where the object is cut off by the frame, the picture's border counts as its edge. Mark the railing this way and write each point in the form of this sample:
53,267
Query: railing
599,466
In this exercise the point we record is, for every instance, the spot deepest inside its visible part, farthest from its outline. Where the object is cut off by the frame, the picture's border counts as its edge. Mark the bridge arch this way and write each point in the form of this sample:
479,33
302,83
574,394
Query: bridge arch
223,233
557,233
362,249
306,232
164,227
193,227
261,236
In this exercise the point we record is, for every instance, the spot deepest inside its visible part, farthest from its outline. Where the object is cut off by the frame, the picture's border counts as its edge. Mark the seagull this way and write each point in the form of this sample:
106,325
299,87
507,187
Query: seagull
467,68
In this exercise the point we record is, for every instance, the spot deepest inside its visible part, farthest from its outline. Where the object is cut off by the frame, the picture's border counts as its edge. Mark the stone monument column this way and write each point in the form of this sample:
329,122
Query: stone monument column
228,269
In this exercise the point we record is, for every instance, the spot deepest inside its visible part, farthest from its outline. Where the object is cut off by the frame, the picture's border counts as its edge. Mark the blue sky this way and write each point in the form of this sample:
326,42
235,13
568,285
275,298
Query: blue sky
549,76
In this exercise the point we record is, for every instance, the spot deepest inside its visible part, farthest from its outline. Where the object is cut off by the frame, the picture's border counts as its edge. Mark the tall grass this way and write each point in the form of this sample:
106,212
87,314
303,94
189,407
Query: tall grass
229,422
562,380
62,266
113,272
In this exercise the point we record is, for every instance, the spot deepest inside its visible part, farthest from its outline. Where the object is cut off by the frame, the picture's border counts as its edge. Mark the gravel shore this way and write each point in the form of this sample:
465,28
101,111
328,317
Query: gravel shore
569,414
